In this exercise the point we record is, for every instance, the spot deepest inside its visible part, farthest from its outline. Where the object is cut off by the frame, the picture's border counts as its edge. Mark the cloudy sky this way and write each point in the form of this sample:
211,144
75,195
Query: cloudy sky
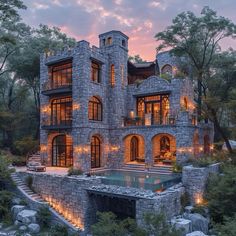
139,19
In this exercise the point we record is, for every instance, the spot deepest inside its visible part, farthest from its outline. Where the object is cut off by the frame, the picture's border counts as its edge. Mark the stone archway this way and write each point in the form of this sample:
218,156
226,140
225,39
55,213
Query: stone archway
134,149
164,149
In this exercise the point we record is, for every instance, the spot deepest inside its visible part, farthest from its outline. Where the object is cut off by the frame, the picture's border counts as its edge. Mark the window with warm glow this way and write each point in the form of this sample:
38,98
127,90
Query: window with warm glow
109,41
61,111
112,76
60,74
95,72
95,109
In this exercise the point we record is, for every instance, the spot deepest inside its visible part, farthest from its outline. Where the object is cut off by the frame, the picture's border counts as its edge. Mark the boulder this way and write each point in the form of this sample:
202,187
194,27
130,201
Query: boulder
23,228
182,224
16,201
196,233
17,223
27,216
34,228
16,209
188,209
199,222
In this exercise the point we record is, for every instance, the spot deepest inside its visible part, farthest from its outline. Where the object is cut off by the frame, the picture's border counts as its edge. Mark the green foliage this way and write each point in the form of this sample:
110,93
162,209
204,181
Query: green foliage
203,161
73,171
5,204
25,145
109,225
5,172
58,230
227,228
176,167
185,200
221,194
136,59
165,76
155,225
201,209
44,217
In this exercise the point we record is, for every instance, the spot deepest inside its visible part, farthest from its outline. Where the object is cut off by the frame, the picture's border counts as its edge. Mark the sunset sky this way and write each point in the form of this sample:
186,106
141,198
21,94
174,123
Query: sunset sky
139,19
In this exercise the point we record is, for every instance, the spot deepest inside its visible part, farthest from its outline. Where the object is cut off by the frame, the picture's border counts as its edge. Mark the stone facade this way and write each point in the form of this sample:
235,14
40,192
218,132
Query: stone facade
119,103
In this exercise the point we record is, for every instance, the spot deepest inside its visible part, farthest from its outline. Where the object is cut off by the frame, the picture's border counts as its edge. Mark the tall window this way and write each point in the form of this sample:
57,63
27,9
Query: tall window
61,111
60,75
122,76
95,109
112,75
109,40
62,151
95,72
95,152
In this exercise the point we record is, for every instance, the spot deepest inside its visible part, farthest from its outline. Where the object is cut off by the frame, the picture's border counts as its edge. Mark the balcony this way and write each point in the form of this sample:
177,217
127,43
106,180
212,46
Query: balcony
48,124
148,120
49,88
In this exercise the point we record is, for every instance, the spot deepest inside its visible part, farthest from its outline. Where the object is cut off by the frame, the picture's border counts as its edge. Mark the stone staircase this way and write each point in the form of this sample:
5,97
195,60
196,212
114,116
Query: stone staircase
158,169
32,196
34,157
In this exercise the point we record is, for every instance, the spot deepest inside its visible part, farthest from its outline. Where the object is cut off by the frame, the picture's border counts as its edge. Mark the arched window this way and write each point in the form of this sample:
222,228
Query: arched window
95,152
167,69
164,144
134,148
62,151
95,109
112,76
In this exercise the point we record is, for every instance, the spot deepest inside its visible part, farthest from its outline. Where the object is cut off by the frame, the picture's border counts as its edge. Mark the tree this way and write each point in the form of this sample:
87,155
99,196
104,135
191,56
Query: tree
198,39
12,30
136,59
219,92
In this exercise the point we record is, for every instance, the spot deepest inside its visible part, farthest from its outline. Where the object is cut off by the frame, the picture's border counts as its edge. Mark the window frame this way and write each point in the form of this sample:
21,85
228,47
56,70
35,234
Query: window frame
93,68
95,109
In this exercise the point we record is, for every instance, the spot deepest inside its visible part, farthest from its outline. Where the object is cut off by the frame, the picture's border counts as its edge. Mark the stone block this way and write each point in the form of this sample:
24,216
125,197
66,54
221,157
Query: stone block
196,233
34,228
27,216
182,224
16,209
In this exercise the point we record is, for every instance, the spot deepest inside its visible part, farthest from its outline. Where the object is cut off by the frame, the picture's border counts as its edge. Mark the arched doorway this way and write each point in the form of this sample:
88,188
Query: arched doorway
164,149
95,152
62,151
134,148
206,144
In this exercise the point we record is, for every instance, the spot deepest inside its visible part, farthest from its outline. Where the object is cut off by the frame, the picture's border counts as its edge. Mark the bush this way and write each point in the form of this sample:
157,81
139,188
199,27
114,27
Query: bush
57,230
73,171
18,160
165,76
202,161
227,228
221,194
109,225
44,217
5,172
5,205
25,145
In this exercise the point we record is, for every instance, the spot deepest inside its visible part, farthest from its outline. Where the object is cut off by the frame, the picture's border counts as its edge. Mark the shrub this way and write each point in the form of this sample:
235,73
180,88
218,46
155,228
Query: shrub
44,217
5,172
18,160
177,168
221,194
58,230
165,76
184,199
73,171
25,145
227,228
202,161
109,225
5,204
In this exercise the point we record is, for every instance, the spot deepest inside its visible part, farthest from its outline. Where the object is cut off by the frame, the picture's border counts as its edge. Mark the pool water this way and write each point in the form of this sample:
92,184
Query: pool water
148,181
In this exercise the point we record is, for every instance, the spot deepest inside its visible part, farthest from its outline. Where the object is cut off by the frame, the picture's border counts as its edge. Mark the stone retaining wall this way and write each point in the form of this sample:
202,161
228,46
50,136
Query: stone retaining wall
195,179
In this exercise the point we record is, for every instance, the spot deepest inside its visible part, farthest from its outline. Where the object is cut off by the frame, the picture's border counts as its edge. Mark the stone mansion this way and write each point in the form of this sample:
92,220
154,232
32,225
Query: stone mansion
99,110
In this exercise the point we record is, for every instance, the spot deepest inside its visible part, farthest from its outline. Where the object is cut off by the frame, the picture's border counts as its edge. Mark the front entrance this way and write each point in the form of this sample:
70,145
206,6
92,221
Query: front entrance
95,152
62,151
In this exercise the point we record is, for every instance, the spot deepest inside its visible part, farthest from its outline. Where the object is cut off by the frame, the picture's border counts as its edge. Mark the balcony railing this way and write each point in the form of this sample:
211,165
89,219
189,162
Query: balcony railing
48,124
148,120
51,88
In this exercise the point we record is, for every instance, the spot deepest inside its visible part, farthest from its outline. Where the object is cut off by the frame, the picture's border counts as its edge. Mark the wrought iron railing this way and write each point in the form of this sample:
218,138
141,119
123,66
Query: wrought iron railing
50,123
49,85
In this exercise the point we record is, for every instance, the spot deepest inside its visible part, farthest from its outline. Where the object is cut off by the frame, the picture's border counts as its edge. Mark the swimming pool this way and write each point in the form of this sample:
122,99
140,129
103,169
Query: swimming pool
148,181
